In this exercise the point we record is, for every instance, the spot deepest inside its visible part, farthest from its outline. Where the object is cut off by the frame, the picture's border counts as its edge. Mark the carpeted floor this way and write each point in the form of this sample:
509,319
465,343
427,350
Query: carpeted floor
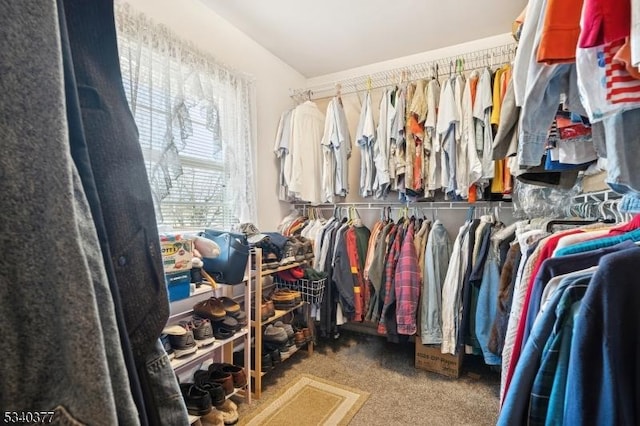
399,393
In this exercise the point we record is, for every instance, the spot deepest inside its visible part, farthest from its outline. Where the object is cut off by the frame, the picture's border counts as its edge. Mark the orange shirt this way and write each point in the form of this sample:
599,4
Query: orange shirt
560,32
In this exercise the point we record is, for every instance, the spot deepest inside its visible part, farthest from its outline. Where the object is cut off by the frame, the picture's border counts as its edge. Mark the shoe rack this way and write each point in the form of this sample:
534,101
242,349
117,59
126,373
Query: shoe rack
183,309
257,324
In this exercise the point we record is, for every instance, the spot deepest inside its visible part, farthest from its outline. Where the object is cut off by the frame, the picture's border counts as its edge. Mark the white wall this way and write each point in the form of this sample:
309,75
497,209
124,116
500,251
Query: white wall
418,58
199,24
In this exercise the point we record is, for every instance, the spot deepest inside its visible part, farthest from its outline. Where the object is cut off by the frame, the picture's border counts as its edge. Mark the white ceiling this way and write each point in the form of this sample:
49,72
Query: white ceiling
318,37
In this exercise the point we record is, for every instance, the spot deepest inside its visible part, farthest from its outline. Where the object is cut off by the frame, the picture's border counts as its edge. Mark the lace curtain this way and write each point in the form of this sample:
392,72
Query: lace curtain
195,121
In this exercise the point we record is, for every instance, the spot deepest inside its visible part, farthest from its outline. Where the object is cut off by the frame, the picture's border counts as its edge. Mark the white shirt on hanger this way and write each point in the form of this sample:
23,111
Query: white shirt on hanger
473,170
447,117
365,136
336,150
306,157
382,146
281,149
482,115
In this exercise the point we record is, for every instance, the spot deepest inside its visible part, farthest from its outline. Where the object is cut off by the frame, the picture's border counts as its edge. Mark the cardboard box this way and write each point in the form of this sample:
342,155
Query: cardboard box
177,252
178,285
429,358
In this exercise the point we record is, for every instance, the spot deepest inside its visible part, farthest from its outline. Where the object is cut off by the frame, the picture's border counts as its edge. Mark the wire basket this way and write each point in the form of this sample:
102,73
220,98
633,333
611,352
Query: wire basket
312,290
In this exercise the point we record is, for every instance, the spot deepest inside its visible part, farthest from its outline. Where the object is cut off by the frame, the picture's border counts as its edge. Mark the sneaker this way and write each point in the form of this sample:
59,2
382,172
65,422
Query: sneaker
182,340
198,402
202,332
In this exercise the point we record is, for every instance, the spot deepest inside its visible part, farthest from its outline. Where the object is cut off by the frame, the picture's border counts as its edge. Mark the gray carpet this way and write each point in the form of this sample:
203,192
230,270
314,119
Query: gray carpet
400,394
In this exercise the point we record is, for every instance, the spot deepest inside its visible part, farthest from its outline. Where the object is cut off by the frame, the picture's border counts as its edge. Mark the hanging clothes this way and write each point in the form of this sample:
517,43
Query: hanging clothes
398,142
472,172
407,285
482,117
432,141
281,150
436,258
451,295
446,130
336,151
365,137
305,160
382,146
565,351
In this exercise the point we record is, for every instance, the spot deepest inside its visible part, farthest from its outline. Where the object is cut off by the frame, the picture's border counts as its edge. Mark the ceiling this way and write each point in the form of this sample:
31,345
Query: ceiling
318,37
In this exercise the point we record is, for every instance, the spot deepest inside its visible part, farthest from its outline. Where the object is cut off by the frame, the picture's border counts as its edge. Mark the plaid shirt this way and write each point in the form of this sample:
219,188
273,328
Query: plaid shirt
358,282
407,285
389,270
544,381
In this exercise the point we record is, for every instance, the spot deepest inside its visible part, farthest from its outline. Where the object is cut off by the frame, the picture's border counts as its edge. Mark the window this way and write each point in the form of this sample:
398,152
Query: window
194,120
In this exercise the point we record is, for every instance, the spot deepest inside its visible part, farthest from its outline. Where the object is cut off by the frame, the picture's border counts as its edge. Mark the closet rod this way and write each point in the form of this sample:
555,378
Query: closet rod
468,61
453,205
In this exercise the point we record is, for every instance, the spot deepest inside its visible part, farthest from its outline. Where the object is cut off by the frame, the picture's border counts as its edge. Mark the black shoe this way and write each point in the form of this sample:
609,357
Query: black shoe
216,392
274,351
198,401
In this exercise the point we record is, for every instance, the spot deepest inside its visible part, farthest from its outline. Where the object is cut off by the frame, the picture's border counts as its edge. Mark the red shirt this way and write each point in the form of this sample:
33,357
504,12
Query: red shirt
605,21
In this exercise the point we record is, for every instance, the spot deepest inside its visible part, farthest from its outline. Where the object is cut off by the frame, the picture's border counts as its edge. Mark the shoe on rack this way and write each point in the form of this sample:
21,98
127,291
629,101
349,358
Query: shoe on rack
285,299
230,323
202,332
212,309
306,331
270,260
214,418
241,317
275,335
230,306
225,379
222,332
181,340
274,351
286,327
238,374
229,412
263,312
198,402
299,338
216,391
